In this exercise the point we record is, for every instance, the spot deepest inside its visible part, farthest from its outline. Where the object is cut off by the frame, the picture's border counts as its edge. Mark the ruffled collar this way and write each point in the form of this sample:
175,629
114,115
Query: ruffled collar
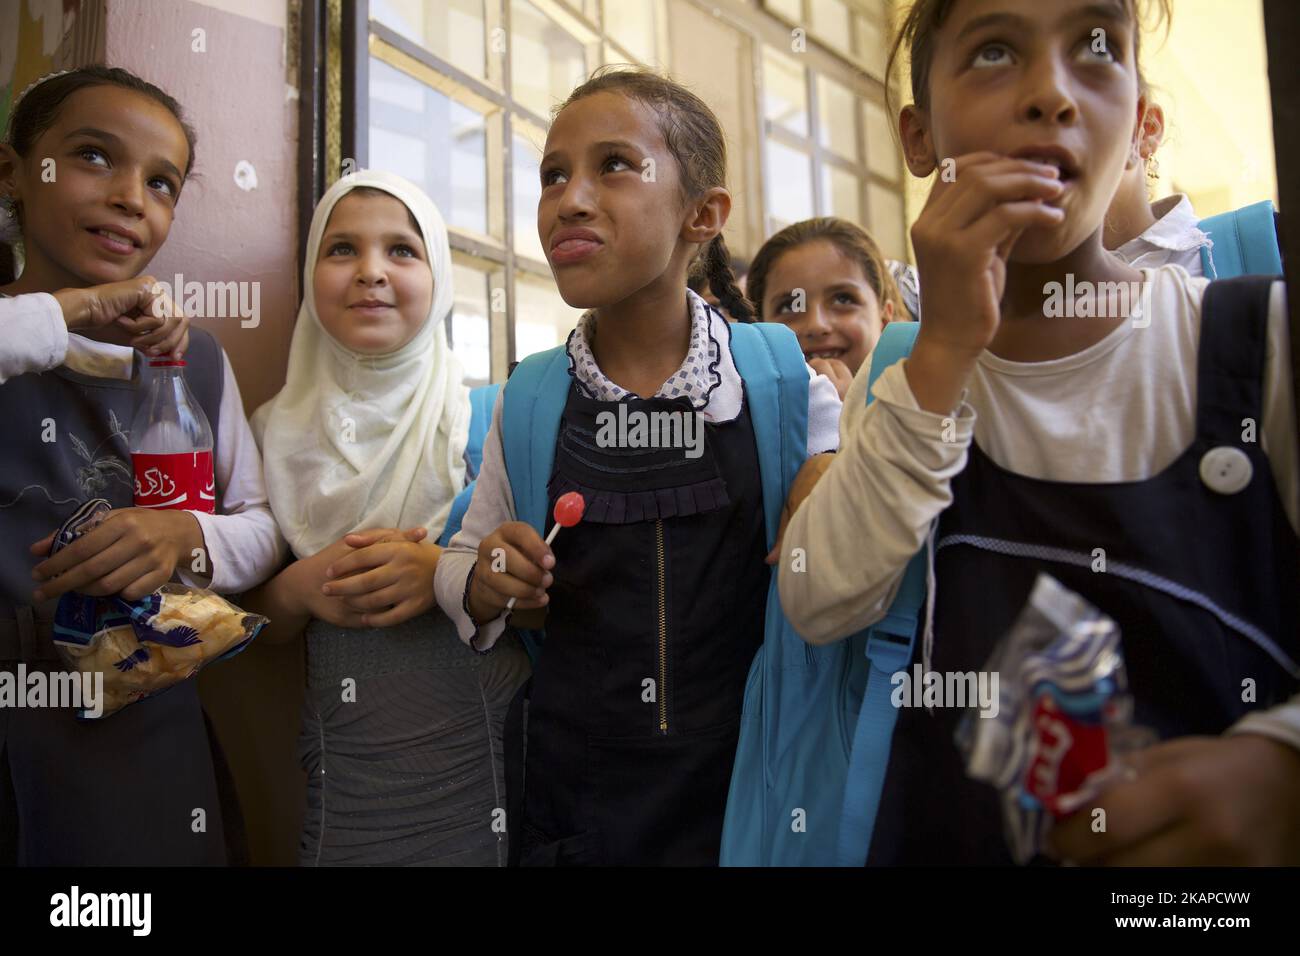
707,376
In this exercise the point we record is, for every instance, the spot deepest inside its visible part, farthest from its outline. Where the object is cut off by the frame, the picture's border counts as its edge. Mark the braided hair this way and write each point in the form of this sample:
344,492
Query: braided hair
695,139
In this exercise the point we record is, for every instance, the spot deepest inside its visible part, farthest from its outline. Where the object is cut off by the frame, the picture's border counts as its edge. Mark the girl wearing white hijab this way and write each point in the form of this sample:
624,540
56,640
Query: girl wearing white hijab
401,732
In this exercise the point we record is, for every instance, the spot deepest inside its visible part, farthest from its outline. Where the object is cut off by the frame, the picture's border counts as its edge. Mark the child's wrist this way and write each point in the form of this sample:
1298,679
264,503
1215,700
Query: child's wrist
74,303
937,373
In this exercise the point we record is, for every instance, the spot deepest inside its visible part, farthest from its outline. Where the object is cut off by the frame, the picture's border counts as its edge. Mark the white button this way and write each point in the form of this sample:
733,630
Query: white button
1226,470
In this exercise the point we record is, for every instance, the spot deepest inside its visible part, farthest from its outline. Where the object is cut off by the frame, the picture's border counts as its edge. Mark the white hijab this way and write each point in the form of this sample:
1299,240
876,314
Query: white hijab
357,441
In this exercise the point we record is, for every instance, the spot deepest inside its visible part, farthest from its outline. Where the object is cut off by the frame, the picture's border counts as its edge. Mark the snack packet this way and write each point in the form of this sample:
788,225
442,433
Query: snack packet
1065,718
143,647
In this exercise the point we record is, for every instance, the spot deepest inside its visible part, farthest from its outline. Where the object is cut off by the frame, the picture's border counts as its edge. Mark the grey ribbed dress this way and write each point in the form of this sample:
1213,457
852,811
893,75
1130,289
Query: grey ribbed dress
410,772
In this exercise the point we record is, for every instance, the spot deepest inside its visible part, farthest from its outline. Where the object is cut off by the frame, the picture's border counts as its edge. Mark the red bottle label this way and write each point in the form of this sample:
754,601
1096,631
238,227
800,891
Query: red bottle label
181,481
1067,751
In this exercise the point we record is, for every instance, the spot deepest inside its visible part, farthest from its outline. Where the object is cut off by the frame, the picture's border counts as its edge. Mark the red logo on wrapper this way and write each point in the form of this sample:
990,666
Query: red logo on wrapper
182,481
1066,752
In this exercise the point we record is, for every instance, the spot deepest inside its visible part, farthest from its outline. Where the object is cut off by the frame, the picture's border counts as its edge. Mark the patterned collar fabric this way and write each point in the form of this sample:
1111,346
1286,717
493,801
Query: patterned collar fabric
707,376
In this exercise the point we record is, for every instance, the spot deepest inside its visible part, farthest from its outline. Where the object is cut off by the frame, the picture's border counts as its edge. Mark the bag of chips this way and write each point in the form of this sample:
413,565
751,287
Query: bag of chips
1065,720
143,647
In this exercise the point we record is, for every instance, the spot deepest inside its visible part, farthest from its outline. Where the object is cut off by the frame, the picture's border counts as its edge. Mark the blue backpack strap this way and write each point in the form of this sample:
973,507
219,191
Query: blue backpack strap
481,402
1245,243
530,426
772,366
888,649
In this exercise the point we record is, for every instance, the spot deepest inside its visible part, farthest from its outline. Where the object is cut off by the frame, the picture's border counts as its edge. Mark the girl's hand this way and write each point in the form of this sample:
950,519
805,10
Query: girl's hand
810,472
962,239
134,312
1196,801
513,562
386,582
836,371
133,552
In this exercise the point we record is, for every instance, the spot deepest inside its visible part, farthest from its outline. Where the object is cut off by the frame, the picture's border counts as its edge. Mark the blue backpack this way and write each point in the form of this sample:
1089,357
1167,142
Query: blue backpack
818,722
769,360
481,402
1245,243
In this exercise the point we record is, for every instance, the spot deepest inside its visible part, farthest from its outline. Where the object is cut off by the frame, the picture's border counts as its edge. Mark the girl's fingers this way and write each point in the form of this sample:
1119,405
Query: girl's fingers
376,600
360,583
373,556
42,548
994,229
120,578
145,585
505,585
974,203
517,565
80,576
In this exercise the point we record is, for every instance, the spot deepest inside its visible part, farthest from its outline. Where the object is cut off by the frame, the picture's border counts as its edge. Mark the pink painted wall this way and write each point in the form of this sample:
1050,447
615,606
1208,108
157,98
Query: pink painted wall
236,98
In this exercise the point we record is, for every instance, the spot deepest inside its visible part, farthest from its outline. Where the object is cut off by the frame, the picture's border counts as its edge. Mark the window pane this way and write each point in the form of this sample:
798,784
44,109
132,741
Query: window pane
789,184
469,329
786,8
546,62
785,93
830,21
883,156
527,194
452,29
632,24
835,127
435,142
886,208
873,46
542,319
841,194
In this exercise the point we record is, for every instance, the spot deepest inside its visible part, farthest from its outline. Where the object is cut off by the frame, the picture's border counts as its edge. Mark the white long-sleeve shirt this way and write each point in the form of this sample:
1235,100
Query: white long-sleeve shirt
493,503
244,546
1121,410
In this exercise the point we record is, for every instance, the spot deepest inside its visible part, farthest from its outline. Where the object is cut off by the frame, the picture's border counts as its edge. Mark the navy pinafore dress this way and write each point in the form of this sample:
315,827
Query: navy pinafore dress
1201,579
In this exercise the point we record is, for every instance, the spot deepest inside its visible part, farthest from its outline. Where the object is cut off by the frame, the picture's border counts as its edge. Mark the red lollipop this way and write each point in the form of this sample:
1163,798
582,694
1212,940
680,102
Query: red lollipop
568,512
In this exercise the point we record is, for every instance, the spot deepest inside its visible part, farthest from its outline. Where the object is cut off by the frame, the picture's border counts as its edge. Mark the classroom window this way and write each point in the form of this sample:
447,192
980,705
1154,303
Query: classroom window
432,140
883,157
546,61
830,23
461,92
789,180
543,319
785,93
836,128
452,29
631,24
841,193
527,182
469,326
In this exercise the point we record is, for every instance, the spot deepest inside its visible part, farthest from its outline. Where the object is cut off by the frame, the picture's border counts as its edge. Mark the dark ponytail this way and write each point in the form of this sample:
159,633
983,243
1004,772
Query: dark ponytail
722,281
